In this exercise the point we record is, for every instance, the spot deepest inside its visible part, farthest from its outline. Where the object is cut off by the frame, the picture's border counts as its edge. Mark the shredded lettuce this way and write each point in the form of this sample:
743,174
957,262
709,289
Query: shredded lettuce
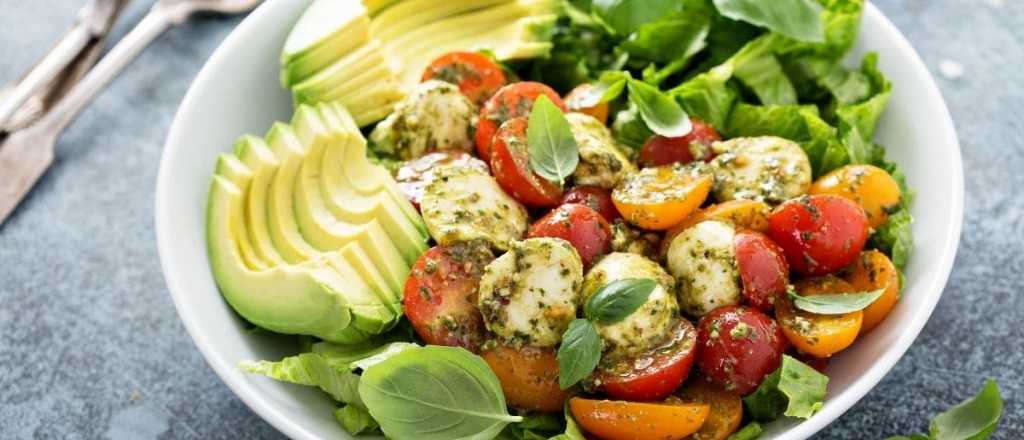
793,390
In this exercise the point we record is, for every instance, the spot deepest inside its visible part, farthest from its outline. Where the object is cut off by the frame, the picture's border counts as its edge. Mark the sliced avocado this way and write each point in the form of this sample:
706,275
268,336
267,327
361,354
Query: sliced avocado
363,83
284,228
256,155
355,35
364,266
375,7
237,173
339,72
404,229
411,14
425,36
312,298
323,22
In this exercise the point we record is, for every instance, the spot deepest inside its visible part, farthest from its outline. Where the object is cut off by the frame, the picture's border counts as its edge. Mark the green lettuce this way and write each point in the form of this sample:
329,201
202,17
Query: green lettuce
793,390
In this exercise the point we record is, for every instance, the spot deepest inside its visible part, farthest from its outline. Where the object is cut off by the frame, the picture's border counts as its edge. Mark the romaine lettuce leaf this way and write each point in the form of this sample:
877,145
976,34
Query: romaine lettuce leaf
841,21
793,390
356,420
675,37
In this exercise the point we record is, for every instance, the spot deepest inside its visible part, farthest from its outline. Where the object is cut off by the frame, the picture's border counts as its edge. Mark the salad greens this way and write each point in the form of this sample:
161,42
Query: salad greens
836,303
973,419
554,154
750,431
793,390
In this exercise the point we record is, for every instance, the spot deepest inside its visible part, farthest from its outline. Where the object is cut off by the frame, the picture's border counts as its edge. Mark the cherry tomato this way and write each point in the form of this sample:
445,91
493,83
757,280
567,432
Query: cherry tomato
661,197
588,232
738,346
621,420
820,234
599,112
872,271
818,335
528,376
477,76
508,102
414,175
743,214
763,269
661,150
871,187
510,163
726,408
598,199
653,375
440,295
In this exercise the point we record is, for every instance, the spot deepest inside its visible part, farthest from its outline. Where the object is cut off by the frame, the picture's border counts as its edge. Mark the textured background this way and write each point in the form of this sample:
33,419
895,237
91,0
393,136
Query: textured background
91,347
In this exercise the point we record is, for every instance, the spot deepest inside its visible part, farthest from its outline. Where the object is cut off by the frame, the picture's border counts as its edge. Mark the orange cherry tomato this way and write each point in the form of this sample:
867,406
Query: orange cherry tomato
872,271
661,197
621,420
528,376
508,102
743,214
476,74
510,163
599,111
870,186
813,334
726,408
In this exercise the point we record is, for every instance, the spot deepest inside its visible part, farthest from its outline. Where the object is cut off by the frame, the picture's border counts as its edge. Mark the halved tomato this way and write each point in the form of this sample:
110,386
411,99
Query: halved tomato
655,374
476,74
696,145
510,163
440,295
528,376
738,346
511,101
743,214
597,198
661,197
726,408
588,232
763,269
814,334
621,420
820,234
872,271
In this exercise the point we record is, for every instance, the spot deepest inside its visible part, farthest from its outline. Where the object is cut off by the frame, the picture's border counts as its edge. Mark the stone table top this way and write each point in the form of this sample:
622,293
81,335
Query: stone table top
91,346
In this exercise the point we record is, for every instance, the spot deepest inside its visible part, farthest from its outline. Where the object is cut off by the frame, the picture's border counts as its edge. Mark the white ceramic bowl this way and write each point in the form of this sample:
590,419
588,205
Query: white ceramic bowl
238,92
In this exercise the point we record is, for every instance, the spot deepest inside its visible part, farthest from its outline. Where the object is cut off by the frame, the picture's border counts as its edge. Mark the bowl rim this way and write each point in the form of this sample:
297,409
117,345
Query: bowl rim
837,405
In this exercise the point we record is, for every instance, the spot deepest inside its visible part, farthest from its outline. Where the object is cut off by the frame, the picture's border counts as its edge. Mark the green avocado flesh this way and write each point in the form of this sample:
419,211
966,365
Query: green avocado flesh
368,56
296,247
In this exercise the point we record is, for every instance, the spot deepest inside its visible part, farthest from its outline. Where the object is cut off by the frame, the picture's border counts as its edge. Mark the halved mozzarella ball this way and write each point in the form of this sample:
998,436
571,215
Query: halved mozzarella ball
464,204
703,260
649,325
434,116
602,162
530,294
767,169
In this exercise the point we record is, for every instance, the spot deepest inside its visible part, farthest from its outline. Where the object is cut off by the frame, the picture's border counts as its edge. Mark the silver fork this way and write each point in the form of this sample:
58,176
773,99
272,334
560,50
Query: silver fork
26,154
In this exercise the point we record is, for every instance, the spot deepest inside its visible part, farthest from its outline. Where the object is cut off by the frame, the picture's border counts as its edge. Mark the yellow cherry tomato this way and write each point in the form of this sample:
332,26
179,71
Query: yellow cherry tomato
814,334
871,187
726,408
621,420
872,271
659,198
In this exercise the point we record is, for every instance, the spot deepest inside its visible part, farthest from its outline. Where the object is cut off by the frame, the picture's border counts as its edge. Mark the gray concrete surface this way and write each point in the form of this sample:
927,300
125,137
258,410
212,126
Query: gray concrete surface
91,347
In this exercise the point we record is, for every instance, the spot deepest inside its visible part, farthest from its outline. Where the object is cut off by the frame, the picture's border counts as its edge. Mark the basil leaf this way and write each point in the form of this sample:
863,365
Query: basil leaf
607,88
579,353
794,390
662,114
618,299
751,431
554,154
798,19
835,303
435,393
973,419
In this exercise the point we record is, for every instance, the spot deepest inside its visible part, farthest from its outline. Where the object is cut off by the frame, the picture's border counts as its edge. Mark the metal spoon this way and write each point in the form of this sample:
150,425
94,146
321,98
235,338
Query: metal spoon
26,154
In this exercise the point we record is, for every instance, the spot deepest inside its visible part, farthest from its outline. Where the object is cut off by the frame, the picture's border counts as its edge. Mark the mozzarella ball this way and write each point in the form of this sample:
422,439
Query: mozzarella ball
703,260
464,204
434,116
650,324
602,162
530,294
767,169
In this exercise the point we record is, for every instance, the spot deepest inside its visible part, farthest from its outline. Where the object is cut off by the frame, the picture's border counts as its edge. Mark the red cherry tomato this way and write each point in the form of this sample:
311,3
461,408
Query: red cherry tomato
763,269
510,163
441,292
477,76
588,232
414,176
660,150
509,102
738,346
820,234
656,374
598,199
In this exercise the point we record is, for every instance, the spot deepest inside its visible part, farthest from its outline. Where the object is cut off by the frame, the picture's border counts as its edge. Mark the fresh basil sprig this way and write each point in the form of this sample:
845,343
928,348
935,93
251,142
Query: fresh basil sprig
554,154
618,299
973,419
581,345
835,303
662,114
796,19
